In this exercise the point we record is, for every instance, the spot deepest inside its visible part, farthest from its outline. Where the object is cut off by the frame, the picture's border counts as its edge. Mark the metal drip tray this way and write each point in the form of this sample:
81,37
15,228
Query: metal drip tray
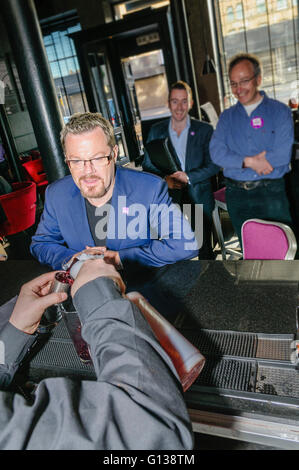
239,344
226,373
274,380
222,343
276,348
248,388
246,362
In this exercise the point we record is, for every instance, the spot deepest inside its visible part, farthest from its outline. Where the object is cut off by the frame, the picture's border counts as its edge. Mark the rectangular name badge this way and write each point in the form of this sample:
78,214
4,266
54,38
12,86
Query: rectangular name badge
257,122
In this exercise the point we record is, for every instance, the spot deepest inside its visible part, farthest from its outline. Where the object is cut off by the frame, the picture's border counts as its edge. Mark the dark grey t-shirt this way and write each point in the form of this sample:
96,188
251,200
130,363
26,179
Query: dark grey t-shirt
98,221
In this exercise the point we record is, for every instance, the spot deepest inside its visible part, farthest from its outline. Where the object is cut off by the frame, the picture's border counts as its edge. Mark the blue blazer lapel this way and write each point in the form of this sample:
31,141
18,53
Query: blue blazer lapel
190,141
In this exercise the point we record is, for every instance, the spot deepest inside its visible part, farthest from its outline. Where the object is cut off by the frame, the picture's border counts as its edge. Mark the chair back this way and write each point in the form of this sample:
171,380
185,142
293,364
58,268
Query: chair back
219,195
263,239
19,207
35,170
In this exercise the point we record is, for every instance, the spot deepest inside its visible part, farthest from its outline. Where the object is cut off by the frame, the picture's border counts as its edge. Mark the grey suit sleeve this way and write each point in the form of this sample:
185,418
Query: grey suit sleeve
14,345
136,402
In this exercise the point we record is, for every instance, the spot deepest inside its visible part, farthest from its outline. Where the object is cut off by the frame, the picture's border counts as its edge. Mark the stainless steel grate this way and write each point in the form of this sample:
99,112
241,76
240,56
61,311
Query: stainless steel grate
238,344
274,348
226,365
223,343
273,380
231,374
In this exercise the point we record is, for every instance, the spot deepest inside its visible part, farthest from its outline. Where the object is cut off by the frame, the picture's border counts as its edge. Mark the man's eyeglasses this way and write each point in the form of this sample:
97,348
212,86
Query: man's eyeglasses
242,82
97,162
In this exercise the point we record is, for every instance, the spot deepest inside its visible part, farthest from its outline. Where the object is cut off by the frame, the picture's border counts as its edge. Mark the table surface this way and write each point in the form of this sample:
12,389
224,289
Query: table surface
253,296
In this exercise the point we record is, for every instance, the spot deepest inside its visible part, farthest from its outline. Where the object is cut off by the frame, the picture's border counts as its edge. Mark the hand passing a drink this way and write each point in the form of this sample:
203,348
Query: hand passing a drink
109,256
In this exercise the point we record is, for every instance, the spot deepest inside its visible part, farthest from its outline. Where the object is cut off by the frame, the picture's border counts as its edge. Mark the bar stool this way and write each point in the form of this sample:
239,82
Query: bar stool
264,239
220,203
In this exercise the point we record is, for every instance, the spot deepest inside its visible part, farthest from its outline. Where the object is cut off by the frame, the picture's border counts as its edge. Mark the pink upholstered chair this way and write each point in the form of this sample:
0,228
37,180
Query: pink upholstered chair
262,239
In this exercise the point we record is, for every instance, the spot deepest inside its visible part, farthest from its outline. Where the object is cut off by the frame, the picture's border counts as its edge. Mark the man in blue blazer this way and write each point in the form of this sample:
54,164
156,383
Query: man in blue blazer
190,140
125,214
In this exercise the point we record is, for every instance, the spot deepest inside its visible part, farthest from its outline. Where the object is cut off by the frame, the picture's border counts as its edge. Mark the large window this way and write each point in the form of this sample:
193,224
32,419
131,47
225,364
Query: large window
65,68
14,100
269,30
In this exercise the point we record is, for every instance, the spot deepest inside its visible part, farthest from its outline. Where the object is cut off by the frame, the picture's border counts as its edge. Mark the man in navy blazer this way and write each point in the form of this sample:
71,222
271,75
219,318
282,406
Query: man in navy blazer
125,214
190,139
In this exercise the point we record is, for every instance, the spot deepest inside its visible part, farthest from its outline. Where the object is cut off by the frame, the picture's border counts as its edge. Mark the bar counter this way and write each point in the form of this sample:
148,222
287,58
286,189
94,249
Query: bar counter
242,317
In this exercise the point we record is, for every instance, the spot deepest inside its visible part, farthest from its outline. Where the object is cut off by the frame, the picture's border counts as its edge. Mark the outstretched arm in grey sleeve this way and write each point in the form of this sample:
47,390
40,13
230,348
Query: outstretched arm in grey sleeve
136,402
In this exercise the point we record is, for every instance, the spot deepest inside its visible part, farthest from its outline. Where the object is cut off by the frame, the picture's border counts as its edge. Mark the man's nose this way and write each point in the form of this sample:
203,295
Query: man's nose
88,166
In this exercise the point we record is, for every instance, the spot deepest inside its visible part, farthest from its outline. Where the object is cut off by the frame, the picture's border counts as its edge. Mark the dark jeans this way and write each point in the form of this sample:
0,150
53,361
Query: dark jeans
267,201
292,187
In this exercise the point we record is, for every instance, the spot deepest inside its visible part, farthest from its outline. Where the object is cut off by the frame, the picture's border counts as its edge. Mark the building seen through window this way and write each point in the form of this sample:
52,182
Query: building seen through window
13,96
268,29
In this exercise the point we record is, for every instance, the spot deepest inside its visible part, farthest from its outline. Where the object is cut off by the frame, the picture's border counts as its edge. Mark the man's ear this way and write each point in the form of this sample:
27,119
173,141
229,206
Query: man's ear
191,104
115,153
259,80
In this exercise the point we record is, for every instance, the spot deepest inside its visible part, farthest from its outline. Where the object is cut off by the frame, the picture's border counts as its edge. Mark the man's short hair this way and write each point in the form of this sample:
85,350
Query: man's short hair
180,85
245,56
86,122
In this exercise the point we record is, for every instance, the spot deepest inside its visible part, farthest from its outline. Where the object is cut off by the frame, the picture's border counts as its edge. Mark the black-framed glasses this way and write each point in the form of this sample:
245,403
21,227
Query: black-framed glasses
96,162
242,82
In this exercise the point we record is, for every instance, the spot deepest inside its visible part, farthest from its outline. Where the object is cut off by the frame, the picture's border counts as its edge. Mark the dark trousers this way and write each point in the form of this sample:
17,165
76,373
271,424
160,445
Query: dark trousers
292,187
266,201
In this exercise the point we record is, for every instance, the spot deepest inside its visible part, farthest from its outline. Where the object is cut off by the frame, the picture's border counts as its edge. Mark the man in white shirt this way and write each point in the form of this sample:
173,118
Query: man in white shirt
190,139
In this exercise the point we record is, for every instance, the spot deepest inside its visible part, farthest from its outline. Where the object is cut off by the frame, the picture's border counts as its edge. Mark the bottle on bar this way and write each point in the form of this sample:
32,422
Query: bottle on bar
186,358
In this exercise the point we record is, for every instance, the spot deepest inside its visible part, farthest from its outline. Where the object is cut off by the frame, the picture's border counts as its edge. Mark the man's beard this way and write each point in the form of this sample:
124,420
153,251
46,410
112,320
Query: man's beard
94,192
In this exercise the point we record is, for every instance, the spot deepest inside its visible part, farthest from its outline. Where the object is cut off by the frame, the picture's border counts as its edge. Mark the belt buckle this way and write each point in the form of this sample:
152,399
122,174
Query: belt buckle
247,185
